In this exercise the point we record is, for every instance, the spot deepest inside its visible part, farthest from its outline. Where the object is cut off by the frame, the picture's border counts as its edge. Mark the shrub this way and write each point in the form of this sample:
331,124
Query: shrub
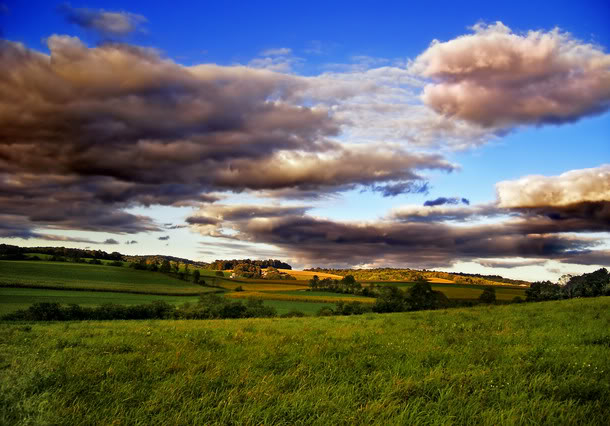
488,295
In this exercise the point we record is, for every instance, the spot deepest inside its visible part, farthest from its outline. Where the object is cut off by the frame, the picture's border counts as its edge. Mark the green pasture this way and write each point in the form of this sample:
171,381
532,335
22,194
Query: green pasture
63,275
12,299
535,363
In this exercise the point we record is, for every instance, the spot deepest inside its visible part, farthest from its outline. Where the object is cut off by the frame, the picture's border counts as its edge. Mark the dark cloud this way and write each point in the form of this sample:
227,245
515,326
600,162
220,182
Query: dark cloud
117,126
111,241
131,242
499,79
589,257
201,220
443,200
164,238
106,23
325,242
394,189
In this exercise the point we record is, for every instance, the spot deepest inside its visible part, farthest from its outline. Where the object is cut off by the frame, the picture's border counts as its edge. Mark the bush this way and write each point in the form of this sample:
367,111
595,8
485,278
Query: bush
293,314
239,288
116,263
325,312
488,295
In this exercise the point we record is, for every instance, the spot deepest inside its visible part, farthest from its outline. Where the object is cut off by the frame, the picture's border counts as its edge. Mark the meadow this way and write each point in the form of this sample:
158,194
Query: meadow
543,363
82,276
14,298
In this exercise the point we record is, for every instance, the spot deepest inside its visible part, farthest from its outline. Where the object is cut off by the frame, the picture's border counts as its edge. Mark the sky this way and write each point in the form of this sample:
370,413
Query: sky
469,138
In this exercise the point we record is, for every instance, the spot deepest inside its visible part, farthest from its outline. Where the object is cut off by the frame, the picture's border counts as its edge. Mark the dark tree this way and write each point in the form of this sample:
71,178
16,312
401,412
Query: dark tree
488,295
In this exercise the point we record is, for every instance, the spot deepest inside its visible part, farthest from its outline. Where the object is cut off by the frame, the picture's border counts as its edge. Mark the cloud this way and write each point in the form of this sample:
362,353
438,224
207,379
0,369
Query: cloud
164,238
573,187
394,189
280,51
106,23
131,242
499,79
443,213
111,241
510,263
116,126
422,236
321,241
444,200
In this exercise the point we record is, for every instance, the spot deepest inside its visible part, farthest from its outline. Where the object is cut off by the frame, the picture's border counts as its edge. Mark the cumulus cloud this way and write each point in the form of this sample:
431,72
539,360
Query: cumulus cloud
164,238
110,241
116,126
106,23
572,187
496,78
131,242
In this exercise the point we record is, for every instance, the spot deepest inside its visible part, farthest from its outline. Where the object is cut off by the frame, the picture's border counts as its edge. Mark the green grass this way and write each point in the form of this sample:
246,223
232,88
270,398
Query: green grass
12,299
91,277
285,306
544,363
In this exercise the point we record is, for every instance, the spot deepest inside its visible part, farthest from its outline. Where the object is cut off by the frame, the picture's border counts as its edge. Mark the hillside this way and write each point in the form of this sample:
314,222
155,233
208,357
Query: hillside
543,363
394,274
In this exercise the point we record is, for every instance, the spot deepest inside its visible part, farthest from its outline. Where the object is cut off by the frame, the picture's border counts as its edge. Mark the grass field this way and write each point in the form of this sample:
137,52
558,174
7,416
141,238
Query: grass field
544,363
91,277
12,299
300,296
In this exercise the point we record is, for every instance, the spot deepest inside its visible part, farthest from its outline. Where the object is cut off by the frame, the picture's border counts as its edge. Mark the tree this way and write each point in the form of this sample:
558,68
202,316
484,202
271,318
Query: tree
196,276
488,295
543,290
165,266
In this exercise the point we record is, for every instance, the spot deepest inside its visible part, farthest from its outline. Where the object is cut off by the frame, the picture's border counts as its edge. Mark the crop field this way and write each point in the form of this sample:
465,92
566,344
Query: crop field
463,291
542,363
12,299
259,285
91,277
307,275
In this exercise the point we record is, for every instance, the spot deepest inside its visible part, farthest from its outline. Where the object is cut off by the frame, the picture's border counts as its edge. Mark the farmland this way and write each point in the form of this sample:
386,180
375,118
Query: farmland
20,298
71,276
543,363
78,282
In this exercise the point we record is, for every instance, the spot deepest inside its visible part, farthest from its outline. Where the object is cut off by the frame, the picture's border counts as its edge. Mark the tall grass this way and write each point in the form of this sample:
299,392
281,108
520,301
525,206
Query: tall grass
544,363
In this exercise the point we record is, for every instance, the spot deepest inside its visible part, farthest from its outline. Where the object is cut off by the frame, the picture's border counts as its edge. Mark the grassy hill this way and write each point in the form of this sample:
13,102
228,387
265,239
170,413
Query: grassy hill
81,276
543,363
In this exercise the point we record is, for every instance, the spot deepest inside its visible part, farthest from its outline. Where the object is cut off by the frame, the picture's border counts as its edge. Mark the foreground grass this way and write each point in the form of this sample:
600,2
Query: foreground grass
12,299
544,363
81,276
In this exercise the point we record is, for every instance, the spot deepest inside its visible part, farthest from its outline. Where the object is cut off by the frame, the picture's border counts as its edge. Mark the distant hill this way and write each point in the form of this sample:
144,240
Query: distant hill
10,252
158,258
395,274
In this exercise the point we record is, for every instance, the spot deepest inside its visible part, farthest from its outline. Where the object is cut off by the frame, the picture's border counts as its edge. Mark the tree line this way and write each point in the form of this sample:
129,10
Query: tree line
593,284
223,265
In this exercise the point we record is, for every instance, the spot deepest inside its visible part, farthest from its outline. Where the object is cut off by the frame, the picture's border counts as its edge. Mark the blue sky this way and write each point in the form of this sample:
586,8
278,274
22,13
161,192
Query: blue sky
377,87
